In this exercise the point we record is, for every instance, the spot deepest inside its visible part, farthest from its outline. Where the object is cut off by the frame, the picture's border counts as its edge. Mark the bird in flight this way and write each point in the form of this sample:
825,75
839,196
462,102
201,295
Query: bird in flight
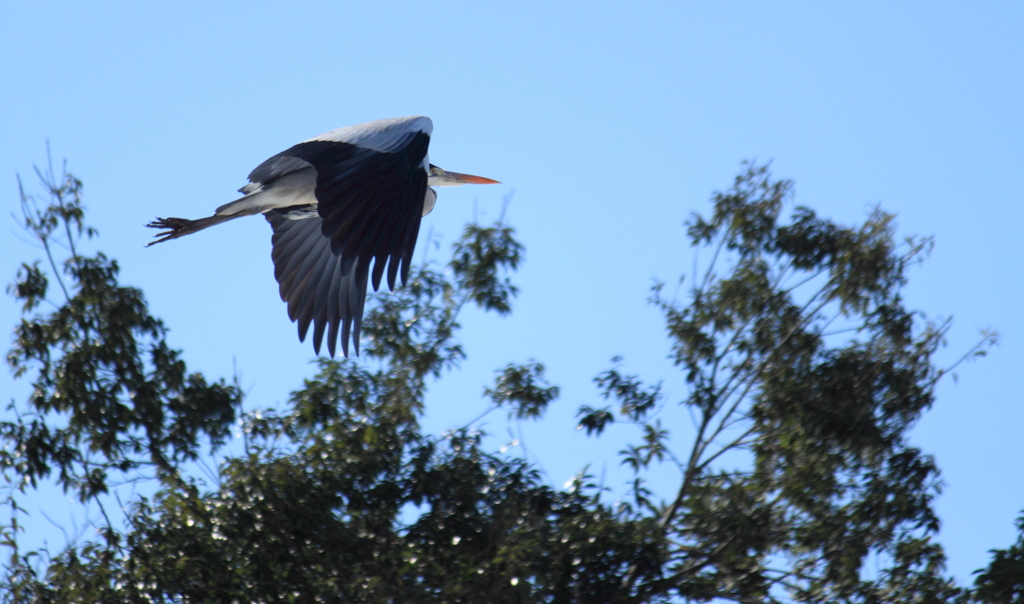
337,203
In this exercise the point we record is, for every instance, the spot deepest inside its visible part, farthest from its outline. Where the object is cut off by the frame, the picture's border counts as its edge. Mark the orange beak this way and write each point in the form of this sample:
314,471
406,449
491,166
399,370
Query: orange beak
469,179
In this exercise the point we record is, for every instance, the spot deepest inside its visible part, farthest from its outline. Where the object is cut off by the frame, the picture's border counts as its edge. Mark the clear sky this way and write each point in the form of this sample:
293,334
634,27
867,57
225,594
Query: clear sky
610,122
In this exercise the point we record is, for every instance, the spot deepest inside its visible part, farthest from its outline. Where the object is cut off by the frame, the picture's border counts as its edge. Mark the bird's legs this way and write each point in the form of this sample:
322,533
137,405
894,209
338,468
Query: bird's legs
179,227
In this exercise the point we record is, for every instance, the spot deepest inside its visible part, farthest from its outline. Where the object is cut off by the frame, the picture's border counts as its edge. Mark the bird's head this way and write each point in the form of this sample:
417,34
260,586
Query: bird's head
439,177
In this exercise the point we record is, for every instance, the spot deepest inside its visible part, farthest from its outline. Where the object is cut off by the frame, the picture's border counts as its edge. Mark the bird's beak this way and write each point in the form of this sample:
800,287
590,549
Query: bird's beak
453,179
469,179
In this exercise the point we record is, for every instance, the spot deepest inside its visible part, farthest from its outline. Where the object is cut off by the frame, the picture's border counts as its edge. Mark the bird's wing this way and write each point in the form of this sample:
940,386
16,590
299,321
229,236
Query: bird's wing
381,135
370,204
272,169
319,286
386,136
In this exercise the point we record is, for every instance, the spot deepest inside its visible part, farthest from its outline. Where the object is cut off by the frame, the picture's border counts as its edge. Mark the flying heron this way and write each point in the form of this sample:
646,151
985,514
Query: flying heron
336,202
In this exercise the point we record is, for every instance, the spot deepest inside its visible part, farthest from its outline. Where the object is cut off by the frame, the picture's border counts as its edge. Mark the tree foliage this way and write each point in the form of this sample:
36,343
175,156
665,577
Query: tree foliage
798,353
1003,581
803,371
101,363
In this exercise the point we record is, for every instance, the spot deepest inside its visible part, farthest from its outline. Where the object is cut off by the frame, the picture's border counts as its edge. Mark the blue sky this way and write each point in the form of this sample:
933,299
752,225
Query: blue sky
610,123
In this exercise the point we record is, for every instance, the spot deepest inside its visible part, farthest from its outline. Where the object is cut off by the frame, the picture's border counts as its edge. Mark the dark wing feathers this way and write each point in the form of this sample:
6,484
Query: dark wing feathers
370,205
317,290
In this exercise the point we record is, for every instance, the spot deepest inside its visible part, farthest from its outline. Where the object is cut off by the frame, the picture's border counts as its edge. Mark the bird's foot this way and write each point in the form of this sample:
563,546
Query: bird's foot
177,227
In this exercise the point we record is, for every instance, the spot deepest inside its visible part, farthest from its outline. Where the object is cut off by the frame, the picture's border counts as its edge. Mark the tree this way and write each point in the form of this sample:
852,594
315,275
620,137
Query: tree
1003,581
804,369
798,352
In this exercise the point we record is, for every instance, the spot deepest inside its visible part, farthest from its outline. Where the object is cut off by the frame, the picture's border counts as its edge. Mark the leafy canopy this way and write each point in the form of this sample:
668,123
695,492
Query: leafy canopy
803,374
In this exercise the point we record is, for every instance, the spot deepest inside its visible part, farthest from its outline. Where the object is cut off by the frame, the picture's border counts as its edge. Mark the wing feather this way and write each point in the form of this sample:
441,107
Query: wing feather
314,274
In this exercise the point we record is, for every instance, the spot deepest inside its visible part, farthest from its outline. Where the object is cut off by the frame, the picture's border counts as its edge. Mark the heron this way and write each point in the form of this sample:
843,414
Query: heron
337,203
